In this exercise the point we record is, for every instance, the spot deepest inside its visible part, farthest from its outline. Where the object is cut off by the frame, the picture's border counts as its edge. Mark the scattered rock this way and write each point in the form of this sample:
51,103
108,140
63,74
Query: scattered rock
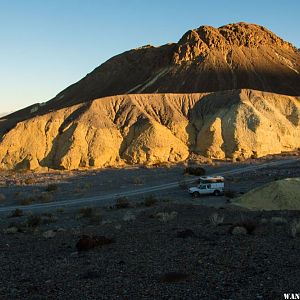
2,197
172,277
185,233
249,226
87,242
278,220
91,274
238,230
165,217
129,216
49,234
11,230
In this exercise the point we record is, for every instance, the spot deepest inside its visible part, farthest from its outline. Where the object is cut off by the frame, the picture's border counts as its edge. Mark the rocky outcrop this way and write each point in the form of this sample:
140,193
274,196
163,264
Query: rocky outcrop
152,128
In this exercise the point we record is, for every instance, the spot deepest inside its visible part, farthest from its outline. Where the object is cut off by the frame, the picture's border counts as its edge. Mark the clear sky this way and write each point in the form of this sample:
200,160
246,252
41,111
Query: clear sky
48,45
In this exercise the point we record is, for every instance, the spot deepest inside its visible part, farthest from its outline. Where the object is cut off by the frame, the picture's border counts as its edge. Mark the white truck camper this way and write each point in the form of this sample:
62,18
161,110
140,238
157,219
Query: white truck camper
208,185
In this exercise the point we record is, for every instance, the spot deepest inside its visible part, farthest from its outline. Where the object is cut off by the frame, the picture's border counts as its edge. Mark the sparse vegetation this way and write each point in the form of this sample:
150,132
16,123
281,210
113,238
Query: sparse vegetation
87,185
239,230
30,181
294,228
122,202
96,219
90,213
150,201
60,209
138,181
87,212
198,171
16,213
26,201
249,225
215,219
183,184
278,220
34,221
51,187
45,197
2,197
165,217
230,194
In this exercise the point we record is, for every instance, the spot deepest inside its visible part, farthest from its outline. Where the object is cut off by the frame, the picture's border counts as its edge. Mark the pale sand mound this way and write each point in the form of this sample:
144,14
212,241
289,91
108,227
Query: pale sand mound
277,195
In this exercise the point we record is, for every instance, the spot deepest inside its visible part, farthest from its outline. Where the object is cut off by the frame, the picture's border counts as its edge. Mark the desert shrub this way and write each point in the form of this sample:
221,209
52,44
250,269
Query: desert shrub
198,171
122,202
51,187
294,228
278,220
150,201
230,193
83,187
26,201
16,213
45,197
30,181
34,221
87,212
2,197
239,230
183,184
249,225
165,217
60,210
47,218
215,219
91,214
263,221
95,219
137,181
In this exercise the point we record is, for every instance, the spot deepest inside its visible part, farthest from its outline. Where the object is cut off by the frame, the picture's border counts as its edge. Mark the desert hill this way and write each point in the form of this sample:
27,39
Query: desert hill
206,59
222,92
152,128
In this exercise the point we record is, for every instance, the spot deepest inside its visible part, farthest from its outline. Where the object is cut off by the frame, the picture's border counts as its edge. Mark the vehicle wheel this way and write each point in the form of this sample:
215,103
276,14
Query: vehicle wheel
217,193
195,195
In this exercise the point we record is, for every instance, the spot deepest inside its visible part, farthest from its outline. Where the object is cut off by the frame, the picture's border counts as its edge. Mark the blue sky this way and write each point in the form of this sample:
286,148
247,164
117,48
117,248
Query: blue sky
48,45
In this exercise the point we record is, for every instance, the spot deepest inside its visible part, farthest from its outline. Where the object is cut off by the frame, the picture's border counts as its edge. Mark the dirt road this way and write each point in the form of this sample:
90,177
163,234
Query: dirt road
109,198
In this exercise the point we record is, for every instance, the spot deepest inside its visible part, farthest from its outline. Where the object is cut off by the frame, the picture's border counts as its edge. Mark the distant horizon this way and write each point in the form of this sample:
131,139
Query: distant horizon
47,47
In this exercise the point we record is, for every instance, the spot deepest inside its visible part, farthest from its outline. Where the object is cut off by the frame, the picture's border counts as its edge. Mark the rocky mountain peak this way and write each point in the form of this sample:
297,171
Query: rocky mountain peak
196,43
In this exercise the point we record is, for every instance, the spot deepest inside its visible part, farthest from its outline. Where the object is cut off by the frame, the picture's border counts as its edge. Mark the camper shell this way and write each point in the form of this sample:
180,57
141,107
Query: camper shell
208,185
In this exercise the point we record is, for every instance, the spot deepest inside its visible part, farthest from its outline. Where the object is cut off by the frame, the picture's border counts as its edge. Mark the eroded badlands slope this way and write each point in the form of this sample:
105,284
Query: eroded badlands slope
151,128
